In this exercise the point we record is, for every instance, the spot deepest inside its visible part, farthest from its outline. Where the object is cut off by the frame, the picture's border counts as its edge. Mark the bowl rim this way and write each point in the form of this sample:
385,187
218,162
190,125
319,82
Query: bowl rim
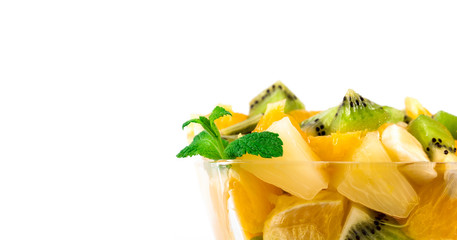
282,161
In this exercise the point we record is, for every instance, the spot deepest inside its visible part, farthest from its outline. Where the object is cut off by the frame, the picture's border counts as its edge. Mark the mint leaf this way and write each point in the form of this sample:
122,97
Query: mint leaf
264,144
218,112
215,114
203,144
195,120
188,151
206,124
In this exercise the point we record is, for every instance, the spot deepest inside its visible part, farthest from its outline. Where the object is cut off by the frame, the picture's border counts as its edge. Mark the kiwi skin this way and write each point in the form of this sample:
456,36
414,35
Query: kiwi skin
243,127
448,120
276,92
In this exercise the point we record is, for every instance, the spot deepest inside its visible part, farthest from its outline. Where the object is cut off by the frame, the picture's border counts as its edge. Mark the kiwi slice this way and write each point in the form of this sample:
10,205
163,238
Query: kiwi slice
278,91
257,238
243,127
435,138
318,125
357,113
395,114
448,120
363,223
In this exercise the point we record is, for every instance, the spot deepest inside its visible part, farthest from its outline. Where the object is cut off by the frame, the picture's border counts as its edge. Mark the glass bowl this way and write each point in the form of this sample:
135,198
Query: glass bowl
277,199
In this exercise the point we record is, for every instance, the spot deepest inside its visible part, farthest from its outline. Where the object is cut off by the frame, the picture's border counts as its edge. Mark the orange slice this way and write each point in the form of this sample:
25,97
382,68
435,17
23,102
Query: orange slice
436,215
336,146
227,121
301,114
253,199
296,218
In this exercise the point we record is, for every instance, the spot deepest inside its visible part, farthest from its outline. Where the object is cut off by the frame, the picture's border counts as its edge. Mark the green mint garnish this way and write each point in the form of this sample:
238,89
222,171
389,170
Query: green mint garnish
264,144
210,144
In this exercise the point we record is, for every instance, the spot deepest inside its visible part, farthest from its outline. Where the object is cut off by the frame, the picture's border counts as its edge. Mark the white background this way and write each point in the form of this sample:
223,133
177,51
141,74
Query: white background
93,94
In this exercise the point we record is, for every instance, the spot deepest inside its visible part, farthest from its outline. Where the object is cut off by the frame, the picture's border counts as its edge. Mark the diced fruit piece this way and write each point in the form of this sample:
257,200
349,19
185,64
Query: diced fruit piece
364,224
404,147
301,114
243,127
357,113
294,172
296,218
227,121
395,114
436,140
376,183
414,108
336,146
252,200
448,120
274,112
371,150
435,217
439,145
438,153
278,91
383,127
318,125
257,238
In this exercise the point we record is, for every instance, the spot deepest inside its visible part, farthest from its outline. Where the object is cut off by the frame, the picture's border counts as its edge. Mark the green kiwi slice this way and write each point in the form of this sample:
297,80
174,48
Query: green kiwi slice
357,113
243,127
276,92
318,125
395,114
363,223
435,138
257,238
448,120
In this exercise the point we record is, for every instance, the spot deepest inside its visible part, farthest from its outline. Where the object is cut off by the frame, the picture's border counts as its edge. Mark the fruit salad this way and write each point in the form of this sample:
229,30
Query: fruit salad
357,170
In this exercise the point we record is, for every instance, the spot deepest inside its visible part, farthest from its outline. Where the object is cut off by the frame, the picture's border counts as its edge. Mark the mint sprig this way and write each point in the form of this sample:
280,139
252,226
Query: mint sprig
210,144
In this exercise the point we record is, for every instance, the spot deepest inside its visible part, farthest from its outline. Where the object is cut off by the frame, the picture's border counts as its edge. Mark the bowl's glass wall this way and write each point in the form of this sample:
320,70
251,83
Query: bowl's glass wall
215,177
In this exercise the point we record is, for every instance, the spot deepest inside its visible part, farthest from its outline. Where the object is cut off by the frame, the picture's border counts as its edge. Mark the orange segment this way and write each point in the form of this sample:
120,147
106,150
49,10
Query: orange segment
275,112
435,217
336,146
299,219
301,114
252,200
227,121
